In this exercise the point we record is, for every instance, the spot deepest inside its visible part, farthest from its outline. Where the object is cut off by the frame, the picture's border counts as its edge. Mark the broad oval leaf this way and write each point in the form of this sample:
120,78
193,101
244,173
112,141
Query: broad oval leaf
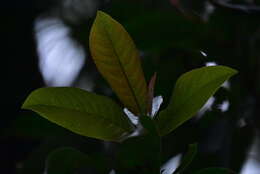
81,112
117,59
191,92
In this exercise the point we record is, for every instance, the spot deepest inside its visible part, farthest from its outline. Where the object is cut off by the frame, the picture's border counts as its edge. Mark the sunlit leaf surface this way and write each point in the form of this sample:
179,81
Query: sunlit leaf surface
82,112
191,92
117,59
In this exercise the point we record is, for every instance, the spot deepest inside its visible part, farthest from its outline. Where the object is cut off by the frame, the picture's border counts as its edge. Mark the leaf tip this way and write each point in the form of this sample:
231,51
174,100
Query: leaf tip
26,105
23,105
234,71
101,15
231,72
30,99
99,12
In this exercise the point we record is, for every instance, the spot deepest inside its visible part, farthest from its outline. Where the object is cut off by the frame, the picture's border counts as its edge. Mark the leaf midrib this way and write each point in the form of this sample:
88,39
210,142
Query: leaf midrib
123,69
81,112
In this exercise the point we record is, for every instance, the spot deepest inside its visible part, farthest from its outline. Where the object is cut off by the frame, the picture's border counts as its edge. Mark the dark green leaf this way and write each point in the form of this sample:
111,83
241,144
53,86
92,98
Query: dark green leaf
143,150
117,59
149,125
187,159
82,112
65,161
191,92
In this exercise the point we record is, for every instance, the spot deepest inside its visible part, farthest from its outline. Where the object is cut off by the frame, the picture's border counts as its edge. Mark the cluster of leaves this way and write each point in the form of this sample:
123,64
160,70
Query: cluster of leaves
117,59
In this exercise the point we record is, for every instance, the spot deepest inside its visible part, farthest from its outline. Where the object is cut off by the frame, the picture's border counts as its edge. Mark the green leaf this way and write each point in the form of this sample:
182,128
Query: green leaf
187,159
149,124
142,150
117,59
215,170
191,92
65,161
81,112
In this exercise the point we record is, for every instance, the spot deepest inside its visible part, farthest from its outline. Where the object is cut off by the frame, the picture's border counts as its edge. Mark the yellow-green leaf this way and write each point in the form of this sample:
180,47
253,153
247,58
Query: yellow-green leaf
191,92
117,59
81,112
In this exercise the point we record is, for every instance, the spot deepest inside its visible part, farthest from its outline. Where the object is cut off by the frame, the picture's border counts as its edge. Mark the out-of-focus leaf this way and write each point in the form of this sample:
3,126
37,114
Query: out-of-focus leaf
143,150
117,59
191,92
187,159
149,124
81,112
215,170
35,161
65,161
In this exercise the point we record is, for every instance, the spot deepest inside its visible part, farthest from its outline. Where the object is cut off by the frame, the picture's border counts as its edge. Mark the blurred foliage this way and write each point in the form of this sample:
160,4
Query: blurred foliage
170,39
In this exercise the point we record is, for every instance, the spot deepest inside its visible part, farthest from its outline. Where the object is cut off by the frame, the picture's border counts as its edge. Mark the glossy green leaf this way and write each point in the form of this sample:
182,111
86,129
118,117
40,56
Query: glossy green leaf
191,92
187,159
215,170
65,161
81,112
117,59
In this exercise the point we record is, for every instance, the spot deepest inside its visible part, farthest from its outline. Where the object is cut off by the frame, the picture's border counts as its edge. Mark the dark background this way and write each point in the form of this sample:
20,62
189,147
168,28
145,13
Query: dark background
170,36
